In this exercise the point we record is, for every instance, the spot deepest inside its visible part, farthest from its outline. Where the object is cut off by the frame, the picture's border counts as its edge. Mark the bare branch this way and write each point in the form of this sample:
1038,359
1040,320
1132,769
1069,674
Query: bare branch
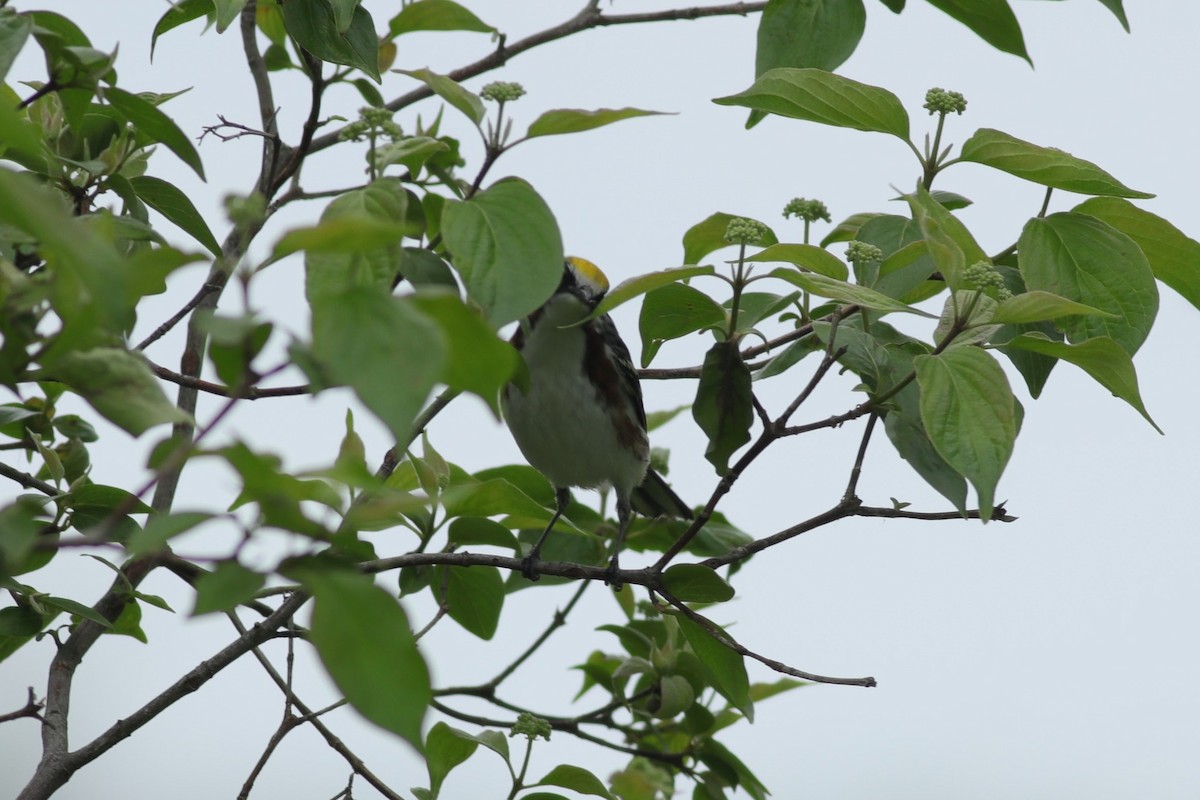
568,726
248,393
32,708
57,764
311,717
778,666
589,17
27,480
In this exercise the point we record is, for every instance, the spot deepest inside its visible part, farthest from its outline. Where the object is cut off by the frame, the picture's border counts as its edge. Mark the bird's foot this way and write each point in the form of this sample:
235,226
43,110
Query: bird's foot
529,567
612,577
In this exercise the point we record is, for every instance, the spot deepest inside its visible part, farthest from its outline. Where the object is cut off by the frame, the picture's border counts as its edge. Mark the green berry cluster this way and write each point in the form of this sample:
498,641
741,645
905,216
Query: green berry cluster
863,253
371,122
745,231
502,91
941,101
807,210
986,278
529,725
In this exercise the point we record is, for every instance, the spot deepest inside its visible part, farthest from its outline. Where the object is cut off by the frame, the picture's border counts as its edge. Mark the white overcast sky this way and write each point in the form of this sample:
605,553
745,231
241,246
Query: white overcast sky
1047,658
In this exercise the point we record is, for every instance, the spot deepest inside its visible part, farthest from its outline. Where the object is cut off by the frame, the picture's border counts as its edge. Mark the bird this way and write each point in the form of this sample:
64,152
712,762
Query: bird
580,420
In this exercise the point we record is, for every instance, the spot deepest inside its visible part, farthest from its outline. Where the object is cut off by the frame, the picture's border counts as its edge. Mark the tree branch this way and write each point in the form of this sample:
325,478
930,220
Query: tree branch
27,480
589,17
307,715
725,639
58,765
32,708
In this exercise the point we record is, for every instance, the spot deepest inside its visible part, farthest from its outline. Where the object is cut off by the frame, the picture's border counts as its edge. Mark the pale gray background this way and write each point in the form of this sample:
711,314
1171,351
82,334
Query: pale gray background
1053,657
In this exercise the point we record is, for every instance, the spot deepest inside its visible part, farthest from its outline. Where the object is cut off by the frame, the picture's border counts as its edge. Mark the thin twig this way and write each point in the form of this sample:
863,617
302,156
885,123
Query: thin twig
32,709
309,716
27,480
588,17
675,759
247,393
727,640
856,470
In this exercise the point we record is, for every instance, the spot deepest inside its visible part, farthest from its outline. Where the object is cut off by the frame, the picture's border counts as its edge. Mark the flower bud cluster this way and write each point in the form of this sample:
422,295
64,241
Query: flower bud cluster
502,91
371,121
745,231
941,101
986,278
807,210
863,253
530,726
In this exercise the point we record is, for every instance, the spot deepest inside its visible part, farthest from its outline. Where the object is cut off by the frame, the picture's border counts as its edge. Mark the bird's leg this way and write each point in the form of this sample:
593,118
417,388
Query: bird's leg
624,516
562,496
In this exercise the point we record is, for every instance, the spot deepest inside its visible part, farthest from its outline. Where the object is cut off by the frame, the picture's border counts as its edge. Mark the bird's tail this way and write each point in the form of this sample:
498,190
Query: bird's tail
654,498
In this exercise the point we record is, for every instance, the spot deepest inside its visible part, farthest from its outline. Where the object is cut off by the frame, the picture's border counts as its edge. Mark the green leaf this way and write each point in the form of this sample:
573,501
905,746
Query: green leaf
847,229
363,637
380,346
227,12
992,20
93,295
314,26
950,244
178,14
506,247
672,311
445,747
343,13
162,527
844,292
168,200
708,236
151,122
76,608
1087,260
226,587
1102,358
474,597
1118,10
819,96
724,409
451,91
807,256
436,15
477,361
1173,256
628,289
635,642
762,691
575,120
724,667
129,622
1045,165
106,497
345,233
1036,306
491,497
718,758
577,779
119,385
411,152
695,583
951,201
14,32
970,414
358,232
466,531
808,33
